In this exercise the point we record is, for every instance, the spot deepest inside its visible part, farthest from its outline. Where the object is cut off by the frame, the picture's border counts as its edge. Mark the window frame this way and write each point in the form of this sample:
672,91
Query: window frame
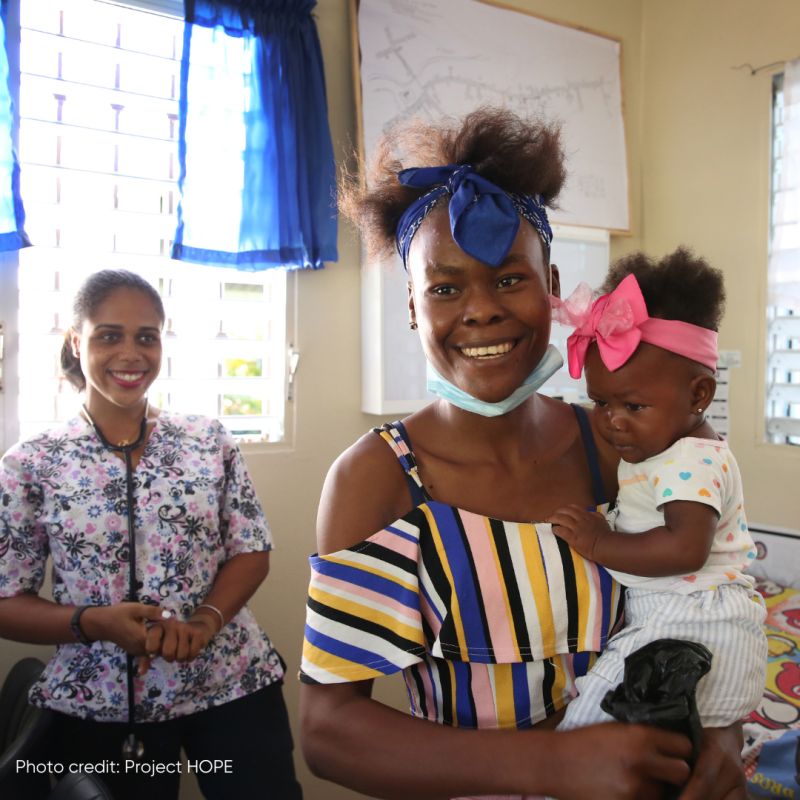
10,264
785,438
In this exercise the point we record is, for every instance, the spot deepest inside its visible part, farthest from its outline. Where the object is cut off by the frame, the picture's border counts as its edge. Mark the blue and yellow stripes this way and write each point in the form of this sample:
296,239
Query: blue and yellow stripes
490,620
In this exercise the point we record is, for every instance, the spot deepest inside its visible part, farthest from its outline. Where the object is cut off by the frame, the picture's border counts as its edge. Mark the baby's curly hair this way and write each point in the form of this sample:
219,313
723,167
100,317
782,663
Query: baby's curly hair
681,286
521,156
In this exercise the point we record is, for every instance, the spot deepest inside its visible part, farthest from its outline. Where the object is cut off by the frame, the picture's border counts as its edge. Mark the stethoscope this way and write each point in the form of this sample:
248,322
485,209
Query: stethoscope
132,747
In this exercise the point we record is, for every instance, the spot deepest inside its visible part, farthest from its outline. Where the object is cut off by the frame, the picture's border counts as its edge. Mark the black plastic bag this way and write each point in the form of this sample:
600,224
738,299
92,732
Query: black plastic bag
658,688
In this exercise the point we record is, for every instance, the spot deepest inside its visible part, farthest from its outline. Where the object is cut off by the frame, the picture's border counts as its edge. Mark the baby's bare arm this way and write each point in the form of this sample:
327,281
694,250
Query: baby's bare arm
679,546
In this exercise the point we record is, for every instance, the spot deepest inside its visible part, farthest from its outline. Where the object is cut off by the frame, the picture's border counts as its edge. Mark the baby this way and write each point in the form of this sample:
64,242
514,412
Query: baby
678,538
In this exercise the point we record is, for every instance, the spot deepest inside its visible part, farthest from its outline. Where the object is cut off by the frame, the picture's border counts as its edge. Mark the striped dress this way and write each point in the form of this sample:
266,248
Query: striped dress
489,621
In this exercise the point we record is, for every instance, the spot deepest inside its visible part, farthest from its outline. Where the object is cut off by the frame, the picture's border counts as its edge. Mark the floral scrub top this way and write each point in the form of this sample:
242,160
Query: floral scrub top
63,495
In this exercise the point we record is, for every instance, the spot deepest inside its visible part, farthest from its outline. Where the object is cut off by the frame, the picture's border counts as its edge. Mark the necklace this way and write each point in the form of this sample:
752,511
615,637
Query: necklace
125,444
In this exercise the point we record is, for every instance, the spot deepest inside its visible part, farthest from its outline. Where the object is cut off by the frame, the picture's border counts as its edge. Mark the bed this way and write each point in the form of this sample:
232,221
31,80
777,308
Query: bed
772,732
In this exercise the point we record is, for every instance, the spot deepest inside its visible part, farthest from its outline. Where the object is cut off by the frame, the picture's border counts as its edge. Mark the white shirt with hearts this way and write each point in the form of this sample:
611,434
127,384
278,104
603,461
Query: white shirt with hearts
700,471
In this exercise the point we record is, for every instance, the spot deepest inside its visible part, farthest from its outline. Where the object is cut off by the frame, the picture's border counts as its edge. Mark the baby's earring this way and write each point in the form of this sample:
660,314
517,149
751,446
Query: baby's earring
412,324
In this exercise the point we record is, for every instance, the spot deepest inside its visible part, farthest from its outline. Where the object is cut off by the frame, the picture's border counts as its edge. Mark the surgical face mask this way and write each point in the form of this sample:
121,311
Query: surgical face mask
550,364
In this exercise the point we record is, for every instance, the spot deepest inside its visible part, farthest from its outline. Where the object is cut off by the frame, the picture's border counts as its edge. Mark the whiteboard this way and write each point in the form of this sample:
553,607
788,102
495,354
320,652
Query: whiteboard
393,364
431,58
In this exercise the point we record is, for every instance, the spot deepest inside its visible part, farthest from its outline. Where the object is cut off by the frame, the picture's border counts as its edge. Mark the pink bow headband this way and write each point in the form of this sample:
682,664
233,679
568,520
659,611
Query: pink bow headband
618,321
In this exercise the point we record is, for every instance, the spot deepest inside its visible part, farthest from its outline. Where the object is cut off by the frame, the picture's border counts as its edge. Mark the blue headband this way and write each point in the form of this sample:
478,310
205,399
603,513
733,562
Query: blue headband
483,218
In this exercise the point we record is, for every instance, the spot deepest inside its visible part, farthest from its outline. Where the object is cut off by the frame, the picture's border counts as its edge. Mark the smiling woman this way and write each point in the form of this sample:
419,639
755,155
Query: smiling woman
429,563
508,315
157,541
112,352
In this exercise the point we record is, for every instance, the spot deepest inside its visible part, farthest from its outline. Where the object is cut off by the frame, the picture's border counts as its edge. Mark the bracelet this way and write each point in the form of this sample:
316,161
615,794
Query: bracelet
216,611
75,626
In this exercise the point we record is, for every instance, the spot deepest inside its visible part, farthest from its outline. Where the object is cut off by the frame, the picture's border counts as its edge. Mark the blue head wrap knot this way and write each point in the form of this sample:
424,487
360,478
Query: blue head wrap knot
484,219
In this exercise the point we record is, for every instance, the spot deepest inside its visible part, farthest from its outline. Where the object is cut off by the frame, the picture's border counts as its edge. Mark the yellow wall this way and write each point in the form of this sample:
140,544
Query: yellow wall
698,143
705,173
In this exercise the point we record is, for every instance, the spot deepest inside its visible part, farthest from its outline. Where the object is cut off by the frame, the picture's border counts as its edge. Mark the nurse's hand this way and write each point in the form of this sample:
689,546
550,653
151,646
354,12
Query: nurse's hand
173,640
124,624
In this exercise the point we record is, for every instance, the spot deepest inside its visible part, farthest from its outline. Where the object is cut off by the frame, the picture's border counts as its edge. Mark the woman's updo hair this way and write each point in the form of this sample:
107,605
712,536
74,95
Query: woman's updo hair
94,291
681,286
520,156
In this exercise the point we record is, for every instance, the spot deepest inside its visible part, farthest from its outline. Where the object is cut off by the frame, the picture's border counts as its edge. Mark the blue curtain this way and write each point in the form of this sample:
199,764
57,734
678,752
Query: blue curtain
257,174
12,214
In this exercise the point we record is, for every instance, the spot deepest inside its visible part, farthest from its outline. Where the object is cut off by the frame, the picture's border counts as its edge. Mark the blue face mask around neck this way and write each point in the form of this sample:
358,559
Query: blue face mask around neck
550,364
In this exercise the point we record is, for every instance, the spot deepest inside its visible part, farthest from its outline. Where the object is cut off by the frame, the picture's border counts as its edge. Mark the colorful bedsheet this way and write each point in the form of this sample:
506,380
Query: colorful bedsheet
772,732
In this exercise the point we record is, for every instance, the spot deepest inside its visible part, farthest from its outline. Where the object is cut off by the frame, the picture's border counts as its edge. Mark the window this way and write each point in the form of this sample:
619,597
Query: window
782,405
98,152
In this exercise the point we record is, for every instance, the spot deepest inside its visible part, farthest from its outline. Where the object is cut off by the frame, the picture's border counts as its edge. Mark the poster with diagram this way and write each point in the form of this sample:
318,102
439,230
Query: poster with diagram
437,58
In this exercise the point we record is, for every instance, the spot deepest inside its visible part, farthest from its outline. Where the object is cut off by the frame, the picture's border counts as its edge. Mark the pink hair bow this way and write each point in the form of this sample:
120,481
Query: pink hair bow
619,321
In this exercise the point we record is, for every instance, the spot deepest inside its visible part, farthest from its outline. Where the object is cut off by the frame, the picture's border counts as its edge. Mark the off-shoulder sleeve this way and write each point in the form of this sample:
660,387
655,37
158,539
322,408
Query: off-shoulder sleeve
23,541
363,616
244,527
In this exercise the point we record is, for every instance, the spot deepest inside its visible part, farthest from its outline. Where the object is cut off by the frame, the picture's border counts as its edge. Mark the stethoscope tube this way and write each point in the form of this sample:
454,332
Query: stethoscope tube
132,747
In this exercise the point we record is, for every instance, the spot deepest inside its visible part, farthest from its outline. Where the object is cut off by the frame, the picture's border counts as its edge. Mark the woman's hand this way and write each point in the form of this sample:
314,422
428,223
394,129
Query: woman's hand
581,529
177,641
718,773
235,583
124,624
619,761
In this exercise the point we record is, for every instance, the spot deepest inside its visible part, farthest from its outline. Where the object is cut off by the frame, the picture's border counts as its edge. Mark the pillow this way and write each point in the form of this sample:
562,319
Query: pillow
777,556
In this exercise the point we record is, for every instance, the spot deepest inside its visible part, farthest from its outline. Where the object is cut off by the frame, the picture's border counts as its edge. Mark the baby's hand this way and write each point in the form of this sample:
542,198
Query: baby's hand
581,529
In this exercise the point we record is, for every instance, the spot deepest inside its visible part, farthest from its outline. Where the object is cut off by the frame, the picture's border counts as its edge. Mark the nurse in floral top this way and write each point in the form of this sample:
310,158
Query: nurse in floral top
179,637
